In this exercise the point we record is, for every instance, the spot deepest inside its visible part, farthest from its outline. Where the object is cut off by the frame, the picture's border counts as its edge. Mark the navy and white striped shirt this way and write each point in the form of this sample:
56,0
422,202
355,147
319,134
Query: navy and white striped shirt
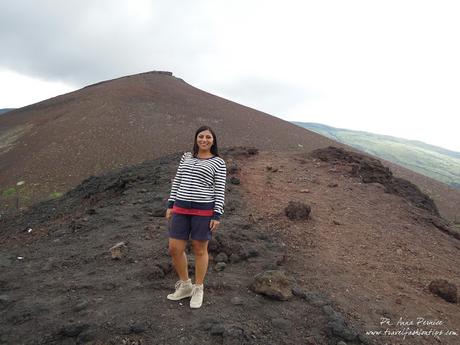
200,184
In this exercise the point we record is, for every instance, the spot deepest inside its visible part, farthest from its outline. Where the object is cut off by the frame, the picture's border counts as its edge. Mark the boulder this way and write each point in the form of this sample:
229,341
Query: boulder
297,210
444,289
272,283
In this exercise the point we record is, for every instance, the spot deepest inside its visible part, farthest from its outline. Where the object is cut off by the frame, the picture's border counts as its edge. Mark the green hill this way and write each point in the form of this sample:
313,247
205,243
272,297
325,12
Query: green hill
433,161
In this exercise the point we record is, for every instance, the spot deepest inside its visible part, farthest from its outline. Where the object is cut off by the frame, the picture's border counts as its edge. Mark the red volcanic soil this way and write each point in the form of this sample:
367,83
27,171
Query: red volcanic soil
372,252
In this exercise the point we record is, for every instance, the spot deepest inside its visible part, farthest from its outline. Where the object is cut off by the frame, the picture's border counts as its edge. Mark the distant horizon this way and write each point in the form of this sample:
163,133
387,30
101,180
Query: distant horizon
381,134
320,123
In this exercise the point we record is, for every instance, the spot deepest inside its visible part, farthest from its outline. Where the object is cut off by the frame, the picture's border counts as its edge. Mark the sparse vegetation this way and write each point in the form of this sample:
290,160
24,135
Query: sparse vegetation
432,161
9,192
16,197
55,195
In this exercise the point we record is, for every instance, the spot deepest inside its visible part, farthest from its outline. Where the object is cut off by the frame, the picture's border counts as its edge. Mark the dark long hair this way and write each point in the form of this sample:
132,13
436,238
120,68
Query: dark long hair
214,149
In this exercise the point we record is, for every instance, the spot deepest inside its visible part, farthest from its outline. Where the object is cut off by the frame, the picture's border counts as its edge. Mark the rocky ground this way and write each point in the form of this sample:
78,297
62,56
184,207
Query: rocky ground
363,254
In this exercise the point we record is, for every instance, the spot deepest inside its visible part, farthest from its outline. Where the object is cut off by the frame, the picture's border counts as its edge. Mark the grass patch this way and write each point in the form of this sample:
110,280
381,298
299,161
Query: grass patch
9,192
55,195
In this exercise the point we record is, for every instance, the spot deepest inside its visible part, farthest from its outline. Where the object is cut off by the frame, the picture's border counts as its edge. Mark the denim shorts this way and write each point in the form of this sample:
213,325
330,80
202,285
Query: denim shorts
184,226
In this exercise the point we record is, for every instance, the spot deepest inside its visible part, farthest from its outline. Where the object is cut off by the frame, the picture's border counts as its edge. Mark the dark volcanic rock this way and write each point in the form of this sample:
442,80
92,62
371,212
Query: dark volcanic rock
371,170
221,257
234,180
272,283
297,210
233,168
73,329
220,266
411,192
443,225
444,289
238,151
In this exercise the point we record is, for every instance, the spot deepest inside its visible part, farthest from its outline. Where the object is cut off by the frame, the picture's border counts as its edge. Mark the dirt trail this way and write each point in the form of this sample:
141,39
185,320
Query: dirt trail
362,247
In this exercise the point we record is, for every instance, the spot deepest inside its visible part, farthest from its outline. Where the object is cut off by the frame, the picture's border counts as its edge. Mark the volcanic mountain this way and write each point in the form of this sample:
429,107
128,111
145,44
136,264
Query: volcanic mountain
55,144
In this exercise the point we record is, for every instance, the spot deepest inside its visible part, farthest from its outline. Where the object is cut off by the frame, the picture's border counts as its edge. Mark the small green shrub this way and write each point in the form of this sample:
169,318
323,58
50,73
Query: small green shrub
55,195
9,192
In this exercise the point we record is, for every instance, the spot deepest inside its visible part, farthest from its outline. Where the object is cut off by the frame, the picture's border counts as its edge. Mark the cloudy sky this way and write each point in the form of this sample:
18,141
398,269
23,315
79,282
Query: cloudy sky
389,67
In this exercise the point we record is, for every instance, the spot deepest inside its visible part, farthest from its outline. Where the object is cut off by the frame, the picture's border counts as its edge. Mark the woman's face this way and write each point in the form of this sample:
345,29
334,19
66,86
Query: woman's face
205,140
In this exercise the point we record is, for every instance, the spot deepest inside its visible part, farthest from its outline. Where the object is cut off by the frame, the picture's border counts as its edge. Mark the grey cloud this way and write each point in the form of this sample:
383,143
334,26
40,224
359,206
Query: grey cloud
275,96
79,43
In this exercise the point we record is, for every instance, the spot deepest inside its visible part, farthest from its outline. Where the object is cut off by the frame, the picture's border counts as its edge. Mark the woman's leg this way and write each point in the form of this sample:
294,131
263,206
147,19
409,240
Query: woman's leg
179,258
200,249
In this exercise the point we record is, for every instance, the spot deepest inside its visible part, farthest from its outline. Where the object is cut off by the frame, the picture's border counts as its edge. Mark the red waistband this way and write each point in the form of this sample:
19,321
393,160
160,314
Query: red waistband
193,211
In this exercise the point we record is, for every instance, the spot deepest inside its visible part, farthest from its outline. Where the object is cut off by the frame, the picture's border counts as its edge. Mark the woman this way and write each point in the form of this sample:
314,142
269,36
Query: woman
195,206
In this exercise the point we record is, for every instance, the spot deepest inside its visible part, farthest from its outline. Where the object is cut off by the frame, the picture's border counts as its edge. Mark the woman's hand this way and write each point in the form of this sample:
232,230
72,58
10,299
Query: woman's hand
214,224
169,213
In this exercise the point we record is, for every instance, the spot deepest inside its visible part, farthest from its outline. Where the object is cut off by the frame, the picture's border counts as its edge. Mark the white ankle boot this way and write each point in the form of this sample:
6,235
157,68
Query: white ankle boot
197,296
183,290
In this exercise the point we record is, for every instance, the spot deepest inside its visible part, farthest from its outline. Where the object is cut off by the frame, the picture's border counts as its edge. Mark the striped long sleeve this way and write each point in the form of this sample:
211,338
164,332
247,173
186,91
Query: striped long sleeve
220,178
200,184
176,182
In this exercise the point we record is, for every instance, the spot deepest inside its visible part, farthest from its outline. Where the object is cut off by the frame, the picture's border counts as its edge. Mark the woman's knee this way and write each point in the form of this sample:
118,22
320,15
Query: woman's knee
176,248
200,248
